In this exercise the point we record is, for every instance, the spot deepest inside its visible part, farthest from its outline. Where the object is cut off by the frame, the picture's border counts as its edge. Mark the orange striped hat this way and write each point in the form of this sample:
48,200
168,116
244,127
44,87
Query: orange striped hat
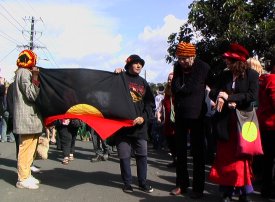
185,50
26,59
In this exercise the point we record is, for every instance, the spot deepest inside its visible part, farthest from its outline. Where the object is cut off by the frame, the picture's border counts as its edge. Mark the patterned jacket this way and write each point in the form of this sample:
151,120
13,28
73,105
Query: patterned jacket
26,117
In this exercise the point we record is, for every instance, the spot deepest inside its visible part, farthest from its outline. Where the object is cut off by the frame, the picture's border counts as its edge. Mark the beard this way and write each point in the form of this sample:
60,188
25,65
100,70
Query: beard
187,69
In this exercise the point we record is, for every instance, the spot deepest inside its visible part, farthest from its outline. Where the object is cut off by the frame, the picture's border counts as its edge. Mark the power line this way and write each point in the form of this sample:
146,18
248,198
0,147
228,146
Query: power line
8,37
24,7
50,54
29,4
11,16
10,22
52,59
7,55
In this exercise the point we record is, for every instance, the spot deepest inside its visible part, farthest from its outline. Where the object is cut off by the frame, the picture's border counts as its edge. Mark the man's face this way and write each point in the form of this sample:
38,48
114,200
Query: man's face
135,68
186,62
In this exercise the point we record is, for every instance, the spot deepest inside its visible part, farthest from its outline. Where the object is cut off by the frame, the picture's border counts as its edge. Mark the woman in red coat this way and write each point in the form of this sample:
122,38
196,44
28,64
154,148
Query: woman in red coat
163,115
237,89
266,115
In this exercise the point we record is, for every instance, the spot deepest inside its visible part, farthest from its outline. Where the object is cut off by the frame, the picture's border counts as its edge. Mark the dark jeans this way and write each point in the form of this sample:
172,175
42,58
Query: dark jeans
98,142
210,139
171,143
124,148
67,139
195,128
157,135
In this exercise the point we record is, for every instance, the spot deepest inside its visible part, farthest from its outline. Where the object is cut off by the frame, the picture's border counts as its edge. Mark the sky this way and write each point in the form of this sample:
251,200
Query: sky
93,34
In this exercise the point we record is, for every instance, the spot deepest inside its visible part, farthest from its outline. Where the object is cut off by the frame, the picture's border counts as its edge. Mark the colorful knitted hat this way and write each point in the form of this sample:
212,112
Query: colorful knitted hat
133,59
237,52
185,50
26,59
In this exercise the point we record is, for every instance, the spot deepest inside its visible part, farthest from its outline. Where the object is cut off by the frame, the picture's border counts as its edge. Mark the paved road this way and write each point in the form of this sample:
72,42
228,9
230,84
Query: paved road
83,181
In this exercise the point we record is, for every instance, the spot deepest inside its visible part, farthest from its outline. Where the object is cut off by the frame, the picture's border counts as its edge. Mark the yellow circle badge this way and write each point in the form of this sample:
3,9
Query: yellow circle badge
249,131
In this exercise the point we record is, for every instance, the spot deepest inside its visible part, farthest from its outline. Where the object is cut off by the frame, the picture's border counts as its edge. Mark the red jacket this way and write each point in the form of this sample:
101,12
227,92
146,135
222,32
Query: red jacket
266,109
169,127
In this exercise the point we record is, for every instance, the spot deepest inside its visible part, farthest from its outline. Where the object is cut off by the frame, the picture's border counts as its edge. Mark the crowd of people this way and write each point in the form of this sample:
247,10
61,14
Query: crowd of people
188,109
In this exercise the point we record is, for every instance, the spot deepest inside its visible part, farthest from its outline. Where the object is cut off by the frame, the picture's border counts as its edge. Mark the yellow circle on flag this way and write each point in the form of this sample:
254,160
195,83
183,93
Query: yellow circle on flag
249,131
84,109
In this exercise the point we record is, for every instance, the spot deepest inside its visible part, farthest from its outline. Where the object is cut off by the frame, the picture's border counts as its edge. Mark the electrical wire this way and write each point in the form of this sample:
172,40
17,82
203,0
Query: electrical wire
7,55
8,37
10,22
11,16
51,56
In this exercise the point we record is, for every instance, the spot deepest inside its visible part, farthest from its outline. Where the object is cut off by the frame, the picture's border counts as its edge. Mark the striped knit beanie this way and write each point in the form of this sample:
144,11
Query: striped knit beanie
26,59
185,50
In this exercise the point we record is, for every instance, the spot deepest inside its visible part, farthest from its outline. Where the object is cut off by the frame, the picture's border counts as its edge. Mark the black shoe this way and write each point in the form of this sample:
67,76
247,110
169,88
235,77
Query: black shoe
196,195
97,158
128,189
244,198
146,188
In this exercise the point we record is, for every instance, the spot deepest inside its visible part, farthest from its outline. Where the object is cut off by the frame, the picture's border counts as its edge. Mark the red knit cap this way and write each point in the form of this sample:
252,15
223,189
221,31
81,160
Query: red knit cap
185,50
26,59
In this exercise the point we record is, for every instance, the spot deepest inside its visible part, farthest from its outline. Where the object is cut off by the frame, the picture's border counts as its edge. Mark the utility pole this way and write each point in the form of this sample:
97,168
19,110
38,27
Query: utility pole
145,74
32,32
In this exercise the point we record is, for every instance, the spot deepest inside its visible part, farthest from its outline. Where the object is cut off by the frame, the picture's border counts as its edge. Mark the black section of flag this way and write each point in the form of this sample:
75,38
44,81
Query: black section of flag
60,89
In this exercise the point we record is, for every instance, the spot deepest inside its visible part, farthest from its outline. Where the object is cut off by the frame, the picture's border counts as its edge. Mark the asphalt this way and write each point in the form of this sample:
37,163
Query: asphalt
86,181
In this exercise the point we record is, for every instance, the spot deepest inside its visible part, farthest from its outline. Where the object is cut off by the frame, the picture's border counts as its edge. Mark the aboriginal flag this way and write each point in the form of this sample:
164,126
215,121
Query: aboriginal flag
249,139
99,98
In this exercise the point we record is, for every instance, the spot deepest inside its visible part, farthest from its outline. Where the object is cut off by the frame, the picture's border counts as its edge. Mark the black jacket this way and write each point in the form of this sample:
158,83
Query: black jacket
244,94
144,104
189,90
246,89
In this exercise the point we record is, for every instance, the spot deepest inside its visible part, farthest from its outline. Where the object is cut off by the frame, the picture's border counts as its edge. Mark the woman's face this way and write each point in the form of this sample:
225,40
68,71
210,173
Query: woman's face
135,68
229,63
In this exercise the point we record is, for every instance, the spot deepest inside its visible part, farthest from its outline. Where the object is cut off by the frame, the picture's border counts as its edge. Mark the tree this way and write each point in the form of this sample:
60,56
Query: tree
213,24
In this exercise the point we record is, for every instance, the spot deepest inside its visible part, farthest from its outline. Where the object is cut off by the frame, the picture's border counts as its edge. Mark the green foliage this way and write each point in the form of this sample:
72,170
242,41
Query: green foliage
220,22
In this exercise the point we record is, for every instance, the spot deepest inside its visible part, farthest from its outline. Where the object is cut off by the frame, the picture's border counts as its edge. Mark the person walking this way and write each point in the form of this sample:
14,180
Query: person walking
157,128
135,137
67,130
100,146
27,121
188,87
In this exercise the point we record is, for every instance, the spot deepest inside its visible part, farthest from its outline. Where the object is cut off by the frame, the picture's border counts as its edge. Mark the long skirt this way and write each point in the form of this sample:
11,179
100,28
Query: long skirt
229,169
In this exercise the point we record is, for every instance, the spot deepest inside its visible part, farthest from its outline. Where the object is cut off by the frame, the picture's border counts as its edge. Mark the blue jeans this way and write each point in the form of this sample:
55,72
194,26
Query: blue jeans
124,147
4,134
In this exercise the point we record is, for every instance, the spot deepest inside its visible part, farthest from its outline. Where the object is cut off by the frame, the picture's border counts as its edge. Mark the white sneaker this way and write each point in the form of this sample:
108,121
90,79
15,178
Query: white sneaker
35,169
34,180
27,184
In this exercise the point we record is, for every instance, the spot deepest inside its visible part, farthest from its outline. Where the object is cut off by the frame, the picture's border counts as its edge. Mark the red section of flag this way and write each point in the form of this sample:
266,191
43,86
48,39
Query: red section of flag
104,127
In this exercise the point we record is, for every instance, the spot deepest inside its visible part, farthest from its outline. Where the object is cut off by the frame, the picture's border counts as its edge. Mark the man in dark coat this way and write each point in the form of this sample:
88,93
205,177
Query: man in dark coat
188,86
